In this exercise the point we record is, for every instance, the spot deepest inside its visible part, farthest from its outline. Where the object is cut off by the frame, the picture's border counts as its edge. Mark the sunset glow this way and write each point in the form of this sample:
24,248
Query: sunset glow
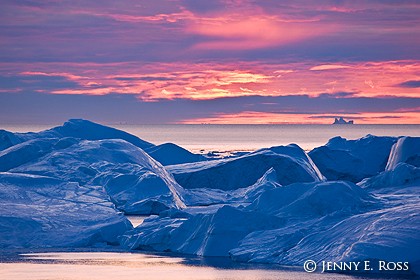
208,53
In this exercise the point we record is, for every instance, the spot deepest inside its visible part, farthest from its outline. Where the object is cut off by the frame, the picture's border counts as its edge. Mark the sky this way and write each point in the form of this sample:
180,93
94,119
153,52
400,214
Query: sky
221,61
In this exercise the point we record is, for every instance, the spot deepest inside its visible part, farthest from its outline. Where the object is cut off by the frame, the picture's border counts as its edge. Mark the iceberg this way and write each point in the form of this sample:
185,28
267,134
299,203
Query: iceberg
170,154
209,234
334,221
402,169
407,149
401,176
39,211
290,162
74,128
8,139
388,235
206,197
306,200
353,160
25,152
272,209
87,130
341,120
136,183
166,154
350,200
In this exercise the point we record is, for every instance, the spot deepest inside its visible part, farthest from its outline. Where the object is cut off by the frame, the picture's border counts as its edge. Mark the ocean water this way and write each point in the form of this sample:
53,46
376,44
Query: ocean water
130,266
205,138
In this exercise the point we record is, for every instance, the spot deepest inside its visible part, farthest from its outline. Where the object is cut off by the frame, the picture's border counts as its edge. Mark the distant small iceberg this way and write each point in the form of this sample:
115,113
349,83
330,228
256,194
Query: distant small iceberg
340,120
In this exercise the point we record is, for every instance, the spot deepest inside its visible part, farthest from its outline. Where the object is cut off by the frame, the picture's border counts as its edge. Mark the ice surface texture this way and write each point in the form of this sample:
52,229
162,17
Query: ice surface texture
346,201
39,211
353,160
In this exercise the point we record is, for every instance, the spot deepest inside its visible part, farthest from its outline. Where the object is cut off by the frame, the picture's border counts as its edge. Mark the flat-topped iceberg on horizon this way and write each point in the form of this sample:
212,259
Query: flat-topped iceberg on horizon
349,200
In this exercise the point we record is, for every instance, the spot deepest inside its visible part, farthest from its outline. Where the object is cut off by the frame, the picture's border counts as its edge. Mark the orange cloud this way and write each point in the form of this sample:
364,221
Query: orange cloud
68,76
170,17
192,84
213,80
328,67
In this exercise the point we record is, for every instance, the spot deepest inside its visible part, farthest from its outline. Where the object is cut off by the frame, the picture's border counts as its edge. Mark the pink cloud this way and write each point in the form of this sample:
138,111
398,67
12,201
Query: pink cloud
155,81
328,67
133,18
68,76
240,32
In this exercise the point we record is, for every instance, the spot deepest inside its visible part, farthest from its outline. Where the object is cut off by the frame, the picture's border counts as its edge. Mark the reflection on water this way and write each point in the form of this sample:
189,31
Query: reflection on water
127,266
204,138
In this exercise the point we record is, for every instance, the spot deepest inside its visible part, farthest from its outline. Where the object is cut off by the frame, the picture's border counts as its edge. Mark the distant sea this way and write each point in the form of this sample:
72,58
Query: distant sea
203,138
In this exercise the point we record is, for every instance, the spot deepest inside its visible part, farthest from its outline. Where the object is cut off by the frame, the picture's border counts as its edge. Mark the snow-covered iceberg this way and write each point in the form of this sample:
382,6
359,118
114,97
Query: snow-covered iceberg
388,234
290,162
85,130
166,154
26,152
8,139
334,221
407,149
39,211
353,160
402,169
136,183
170,154
205,234
205,196
401,176
274,208
65,187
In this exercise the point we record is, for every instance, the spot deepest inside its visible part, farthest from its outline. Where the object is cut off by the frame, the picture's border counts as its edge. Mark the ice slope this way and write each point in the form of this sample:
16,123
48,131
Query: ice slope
402,175
83,129
138,189
25,152
390,234
204,196
170,154
353,160
216,232
202,234
136,183
382,225
332,221
407,149
8,139
403,167
290,163
167,153
307,200
39,211
75,128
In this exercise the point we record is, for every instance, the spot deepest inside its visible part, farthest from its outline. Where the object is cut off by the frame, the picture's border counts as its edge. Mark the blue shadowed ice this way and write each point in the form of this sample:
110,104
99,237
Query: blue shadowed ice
346,201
